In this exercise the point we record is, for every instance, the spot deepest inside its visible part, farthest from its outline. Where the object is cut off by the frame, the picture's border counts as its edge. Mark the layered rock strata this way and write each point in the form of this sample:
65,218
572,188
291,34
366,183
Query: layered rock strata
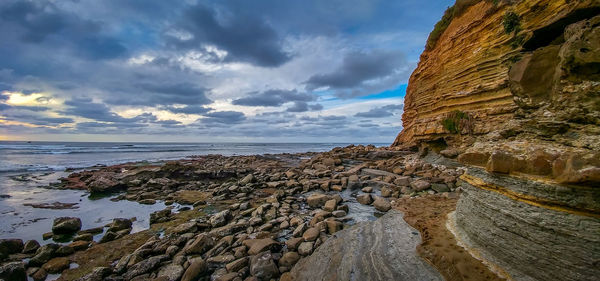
381,250
531,230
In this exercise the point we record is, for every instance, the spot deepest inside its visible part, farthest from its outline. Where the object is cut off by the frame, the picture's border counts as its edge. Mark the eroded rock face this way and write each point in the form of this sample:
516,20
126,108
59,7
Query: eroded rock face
533,231
389,242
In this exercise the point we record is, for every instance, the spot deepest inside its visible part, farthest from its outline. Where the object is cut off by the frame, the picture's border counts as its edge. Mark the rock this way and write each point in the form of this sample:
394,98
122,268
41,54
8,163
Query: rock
247,179
187,227
474,158
97,274
299,230
30,246
500,162
84,237
330,205
389,242
386,192
10,246
56,265
236,265
367,189
311,234
202,243
198,268
440,187
338,213
79,245
108,236
263,267
364,199
420,185
66,225
63,251
354,182
260,245
293,243
43,254
289,259
220,218
333,226
450,153
41,275
305,248
100,183
170,272
147,201
382,204
119,224
402,181
144,266
160,216
317,200
13,271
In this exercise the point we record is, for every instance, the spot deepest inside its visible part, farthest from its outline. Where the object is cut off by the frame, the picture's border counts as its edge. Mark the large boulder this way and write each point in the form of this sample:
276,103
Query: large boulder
14,271
317,200
10,246
66,225
263,267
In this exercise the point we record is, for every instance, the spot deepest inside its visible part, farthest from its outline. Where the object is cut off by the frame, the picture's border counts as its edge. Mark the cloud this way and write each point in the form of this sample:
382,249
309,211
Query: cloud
273,98
380,112
189,109
244,37
34,22
301,106
361,70
223,117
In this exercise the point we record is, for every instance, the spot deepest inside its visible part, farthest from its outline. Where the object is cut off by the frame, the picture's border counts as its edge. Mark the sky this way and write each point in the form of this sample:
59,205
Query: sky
209,71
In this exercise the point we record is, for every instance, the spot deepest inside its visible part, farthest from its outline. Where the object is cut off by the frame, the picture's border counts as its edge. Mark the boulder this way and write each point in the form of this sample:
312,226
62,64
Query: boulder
247,179
289,259
120,224
144,266
13,271
311,234
382,204
330,205
317,200
440,187
66,225
30,246
197,269
202,243
220,218
420,185
263,267
364,199
170,272
56,265
305,248
10,246
260,245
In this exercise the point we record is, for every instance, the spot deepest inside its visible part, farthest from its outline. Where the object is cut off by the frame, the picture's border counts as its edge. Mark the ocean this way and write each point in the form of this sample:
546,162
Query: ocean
27,168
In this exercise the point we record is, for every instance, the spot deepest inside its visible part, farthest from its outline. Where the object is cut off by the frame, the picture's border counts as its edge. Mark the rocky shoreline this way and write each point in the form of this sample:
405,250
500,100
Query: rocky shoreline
243,217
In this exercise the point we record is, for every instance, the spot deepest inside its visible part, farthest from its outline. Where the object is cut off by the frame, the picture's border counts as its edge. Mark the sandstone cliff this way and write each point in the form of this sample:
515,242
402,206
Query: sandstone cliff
512,90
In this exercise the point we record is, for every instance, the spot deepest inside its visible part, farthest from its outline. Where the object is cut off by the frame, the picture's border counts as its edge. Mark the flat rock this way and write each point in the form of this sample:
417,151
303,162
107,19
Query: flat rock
66,225
389,244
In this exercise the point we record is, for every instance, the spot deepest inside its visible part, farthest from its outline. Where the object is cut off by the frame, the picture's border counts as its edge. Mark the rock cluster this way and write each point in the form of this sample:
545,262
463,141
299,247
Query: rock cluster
254,217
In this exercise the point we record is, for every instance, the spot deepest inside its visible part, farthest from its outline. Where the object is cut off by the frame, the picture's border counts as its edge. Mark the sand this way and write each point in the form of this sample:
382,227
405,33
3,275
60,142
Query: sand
428,214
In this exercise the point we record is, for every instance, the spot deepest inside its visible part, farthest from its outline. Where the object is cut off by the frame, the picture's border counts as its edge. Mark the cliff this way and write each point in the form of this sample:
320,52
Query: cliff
511,89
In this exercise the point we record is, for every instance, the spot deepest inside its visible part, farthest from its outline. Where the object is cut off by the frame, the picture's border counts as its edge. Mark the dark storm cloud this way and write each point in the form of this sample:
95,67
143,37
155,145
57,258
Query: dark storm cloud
245,37
380,112
358,67
37,22
162,94
274,98
301,106
223,117
85,107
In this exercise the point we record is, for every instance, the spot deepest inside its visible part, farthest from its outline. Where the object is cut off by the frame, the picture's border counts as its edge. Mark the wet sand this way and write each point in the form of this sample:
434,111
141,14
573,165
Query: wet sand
428,214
